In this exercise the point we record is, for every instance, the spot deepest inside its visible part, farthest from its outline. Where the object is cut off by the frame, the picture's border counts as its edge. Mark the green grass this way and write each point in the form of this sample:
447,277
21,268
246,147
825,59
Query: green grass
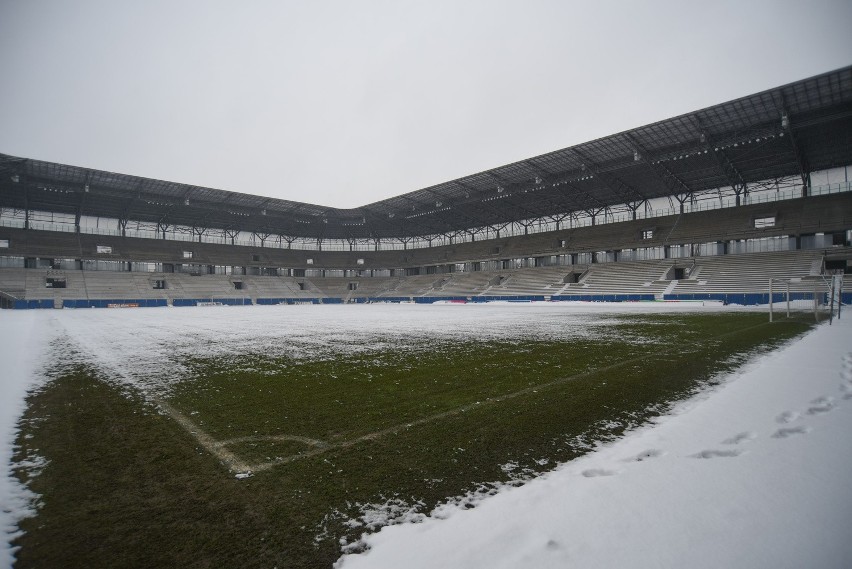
127,486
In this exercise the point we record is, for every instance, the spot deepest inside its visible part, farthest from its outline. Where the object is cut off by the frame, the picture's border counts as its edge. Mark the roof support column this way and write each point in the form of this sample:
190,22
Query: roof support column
740,190
78,213
634,207
162,227
231,234
682,198
558,219
592,213
261,236
572,219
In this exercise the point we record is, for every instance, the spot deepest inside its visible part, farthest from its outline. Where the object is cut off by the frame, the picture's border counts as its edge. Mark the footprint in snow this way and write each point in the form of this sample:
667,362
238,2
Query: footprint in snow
821,405
718,453
595,472
739,438
790,431
645,455
787,417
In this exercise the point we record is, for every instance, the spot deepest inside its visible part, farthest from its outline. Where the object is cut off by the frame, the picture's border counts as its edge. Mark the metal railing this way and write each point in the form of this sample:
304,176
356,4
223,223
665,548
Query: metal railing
524,227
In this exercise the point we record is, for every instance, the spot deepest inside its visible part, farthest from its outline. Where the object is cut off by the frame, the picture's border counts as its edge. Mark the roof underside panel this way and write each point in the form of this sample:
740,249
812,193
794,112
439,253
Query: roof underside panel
786,131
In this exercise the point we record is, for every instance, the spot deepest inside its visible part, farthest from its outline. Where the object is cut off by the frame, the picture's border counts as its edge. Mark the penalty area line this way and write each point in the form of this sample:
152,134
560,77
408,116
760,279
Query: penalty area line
237,465
471,406
211,445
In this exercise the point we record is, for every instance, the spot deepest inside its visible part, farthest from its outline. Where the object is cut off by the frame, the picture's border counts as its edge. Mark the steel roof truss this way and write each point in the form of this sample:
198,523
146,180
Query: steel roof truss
730,172
624,191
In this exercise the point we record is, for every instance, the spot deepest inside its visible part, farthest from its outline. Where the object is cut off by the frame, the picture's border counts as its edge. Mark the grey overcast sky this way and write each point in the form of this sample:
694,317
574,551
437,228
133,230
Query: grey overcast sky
343,103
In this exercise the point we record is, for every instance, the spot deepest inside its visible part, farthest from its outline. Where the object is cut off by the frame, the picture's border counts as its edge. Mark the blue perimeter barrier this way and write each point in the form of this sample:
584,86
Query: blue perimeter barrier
24,304
223,301
518,298
271,301
745,299
99,303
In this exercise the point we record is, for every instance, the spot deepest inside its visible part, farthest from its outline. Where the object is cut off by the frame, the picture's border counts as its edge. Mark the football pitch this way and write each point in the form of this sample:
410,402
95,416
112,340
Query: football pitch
276,436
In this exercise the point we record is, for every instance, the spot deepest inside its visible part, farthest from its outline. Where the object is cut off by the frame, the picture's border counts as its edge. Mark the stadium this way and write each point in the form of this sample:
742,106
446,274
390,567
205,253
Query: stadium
236,380
708,205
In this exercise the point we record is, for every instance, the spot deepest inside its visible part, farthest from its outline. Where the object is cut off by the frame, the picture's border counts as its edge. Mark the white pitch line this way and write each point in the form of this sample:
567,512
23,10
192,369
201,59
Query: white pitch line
256,438
229,459
235,464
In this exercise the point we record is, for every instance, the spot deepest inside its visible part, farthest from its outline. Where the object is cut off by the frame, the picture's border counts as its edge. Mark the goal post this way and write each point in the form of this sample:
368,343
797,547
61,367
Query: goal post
777,284
772,296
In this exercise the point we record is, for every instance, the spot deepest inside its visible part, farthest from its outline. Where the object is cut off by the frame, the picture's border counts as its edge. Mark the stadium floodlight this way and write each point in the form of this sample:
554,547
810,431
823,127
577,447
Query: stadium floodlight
16,178
785,121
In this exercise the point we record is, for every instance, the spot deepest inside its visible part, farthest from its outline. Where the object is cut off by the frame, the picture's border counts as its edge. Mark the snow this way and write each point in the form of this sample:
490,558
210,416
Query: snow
145,348
23,340
753,474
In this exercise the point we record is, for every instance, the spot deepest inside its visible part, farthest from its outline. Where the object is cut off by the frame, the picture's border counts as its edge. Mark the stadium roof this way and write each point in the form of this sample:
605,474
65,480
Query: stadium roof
786,131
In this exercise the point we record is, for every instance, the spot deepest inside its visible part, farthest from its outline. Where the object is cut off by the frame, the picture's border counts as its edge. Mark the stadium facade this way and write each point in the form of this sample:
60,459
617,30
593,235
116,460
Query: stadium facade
706,205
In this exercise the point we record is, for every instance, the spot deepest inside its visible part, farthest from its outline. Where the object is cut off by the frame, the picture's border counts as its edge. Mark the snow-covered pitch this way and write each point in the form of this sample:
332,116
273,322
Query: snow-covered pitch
755,474
752,474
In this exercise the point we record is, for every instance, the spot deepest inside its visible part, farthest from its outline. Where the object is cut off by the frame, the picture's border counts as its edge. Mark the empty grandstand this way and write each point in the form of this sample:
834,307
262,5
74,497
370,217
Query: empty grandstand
708,205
